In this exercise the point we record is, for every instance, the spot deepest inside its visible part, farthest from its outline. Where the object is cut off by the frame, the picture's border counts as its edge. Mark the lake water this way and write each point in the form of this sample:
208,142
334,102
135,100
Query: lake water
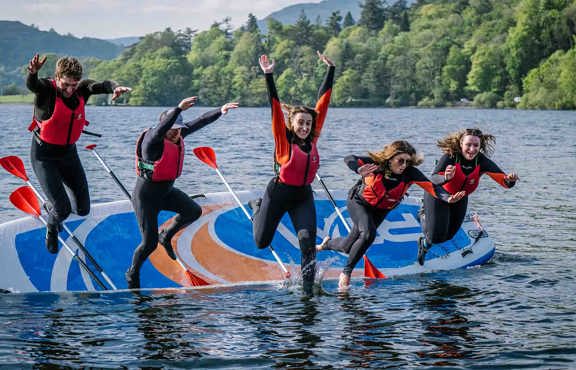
519,311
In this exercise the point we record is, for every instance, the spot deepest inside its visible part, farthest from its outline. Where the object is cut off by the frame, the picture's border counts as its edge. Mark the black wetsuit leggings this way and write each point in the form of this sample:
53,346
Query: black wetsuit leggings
366,221
298,201
64,183
148,199
442,220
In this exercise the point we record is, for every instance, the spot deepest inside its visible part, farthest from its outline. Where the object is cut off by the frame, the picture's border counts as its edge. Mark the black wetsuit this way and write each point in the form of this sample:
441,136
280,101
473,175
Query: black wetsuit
280,197
58,167
150,197
442,220
367,218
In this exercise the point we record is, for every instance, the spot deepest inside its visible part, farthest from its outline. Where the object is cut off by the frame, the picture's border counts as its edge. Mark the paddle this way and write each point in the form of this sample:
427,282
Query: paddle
25,200
193,279
15,166
208,156
370,271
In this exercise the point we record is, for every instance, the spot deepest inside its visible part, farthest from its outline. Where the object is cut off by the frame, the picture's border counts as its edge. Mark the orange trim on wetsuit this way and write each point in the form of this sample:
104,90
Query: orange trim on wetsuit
65,125
167,168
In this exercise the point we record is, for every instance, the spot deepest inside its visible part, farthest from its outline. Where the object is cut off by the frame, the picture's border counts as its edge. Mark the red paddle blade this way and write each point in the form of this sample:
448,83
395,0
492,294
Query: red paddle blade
195,280
370,271
15,166
206,155
90,147
25,200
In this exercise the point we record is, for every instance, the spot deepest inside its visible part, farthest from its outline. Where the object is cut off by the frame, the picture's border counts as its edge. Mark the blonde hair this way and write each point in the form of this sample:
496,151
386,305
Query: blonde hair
452,143
69,67
292,110
383,157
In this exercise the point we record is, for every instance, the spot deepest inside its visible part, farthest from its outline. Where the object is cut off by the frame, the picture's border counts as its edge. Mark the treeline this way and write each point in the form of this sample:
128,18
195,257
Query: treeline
491,53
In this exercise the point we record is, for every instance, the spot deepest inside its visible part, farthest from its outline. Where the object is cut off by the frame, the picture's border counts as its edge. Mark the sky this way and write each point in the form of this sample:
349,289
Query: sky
122,18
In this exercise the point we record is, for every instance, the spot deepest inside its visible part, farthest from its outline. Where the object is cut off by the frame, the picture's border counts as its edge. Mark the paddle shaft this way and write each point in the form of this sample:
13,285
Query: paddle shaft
111,173
333,203
276,257
77,242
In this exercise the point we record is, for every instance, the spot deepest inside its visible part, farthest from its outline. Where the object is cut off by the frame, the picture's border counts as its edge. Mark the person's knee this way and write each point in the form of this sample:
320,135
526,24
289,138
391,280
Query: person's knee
61,211
367,236
83,211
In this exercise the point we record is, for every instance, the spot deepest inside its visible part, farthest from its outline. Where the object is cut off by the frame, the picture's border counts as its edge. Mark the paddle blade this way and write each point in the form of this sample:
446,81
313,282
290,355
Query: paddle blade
15,166
25,200
206,155
90,147
370,271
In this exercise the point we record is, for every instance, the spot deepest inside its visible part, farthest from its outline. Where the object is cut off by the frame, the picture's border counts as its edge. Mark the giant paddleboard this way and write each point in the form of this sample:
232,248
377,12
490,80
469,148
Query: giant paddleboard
218,248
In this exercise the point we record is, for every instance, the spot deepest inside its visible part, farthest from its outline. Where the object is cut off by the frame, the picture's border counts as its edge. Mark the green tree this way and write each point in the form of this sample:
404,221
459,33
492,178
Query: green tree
334,22
372,15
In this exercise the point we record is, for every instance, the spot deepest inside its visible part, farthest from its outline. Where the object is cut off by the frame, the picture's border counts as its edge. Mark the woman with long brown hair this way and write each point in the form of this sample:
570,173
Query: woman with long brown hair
385,178
465,159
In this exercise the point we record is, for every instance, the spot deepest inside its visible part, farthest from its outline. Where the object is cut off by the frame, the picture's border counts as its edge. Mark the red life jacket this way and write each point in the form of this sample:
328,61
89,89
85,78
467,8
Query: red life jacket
65,125
167,168
301,167
462,182
375,193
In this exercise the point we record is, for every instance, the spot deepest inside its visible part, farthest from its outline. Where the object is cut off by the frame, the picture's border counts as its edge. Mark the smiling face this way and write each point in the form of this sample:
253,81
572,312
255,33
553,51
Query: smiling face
470,146
67,85
302,125
399,162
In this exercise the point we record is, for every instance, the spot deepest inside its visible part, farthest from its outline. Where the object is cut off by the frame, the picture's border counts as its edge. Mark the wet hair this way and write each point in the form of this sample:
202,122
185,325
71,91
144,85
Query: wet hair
69,67
292,110
452,143
383,157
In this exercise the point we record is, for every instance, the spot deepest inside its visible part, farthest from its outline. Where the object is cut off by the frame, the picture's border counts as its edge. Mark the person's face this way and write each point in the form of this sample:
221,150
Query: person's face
470,146
399,162
173,135
302,124
67,85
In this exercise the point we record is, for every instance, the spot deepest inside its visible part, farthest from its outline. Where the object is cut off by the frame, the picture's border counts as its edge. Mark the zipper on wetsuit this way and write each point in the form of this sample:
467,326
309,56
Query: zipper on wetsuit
307,168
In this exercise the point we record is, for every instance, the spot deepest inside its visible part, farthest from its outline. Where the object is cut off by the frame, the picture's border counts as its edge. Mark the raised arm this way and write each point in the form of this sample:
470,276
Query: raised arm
207,118
324,94
490,168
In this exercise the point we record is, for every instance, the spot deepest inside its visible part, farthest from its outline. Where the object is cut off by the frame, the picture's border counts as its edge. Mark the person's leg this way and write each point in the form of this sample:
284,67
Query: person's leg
303,216
269,213
74,178
457,214
187,211
358,215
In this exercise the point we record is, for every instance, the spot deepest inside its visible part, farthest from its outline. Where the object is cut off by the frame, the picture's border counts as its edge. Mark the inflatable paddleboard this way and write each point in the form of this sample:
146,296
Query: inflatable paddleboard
218,248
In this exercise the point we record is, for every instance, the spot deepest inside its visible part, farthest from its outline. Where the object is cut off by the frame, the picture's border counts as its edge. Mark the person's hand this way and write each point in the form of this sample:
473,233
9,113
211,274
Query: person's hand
457,196
266,64
325,59
119,90
226,107
512,177
187,102
449,172
367,169
36,63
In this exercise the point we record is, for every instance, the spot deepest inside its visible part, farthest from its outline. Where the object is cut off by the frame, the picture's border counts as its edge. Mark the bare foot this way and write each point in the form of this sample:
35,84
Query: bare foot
344,282
320,247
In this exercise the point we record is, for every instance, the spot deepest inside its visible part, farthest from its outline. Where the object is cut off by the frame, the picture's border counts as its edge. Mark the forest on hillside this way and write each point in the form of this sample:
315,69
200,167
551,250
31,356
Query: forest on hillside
489,53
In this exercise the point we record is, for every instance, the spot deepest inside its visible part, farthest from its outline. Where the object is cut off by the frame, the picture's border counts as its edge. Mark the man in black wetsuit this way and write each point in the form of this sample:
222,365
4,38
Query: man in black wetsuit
160,157
57,124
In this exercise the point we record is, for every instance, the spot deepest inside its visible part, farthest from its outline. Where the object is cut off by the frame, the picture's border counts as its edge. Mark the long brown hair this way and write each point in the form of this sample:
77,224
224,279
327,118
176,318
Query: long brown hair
452,143
383,157
292,110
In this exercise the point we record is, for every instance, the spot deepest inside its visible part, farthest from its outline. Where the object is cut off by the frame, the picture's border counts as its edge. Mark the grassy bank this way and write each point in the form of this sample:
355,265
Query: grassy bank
17,99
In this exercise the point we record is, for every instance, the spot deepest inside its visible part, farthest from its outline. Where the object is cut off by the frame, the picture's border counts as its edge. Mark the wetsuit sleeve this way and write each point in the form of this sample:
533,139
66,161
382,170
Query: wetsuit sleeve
437,177
86,88
415,176
324,94
153,141
200,122
282,145
491,169
38,85
355,162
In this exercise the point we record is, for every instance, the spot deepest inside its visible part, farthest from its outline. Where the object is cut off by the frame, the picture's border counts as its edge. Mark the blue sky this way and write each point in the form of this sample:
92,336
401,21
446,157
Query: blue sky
120,18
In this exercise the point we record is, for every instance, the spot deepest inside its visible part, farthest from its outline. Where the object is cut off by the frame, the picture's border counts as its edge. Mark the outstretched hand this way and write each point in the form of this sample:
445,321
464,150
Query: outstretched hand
456,197
367,169
36,63
187,102
119,90
512,177
266,64
325,59
449,172
226,107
